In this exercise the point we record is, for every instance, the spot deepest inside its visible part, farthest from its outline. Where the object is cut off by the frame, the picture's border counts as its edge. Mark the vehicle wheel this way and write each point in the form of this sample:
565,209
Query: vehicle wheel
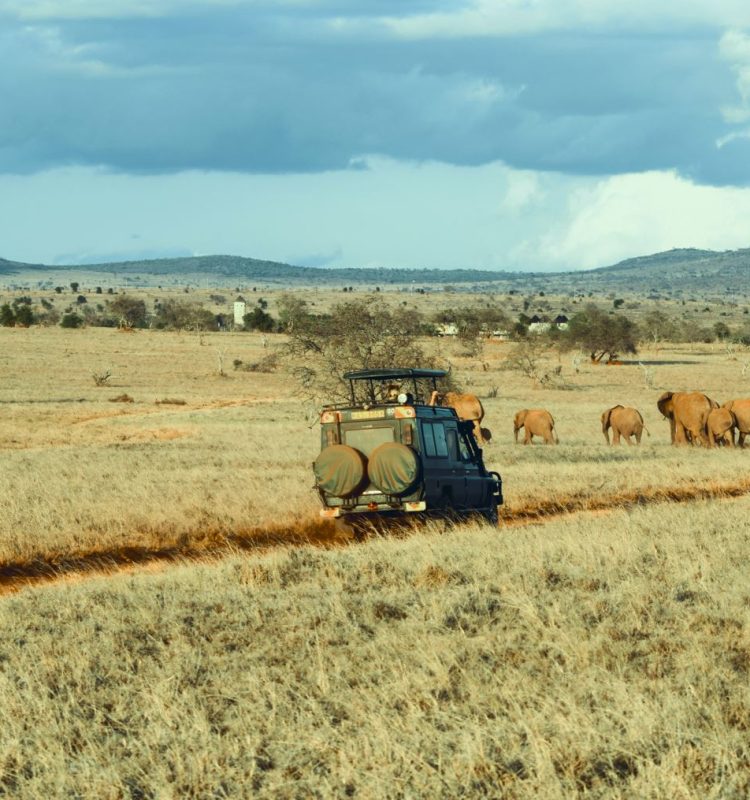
491,515
348,529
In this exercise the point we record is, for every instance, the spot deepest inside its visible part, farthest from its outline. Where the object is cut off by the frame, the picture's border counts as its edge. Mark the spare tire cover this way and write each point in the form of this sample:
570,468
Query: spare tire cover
393,468
340,470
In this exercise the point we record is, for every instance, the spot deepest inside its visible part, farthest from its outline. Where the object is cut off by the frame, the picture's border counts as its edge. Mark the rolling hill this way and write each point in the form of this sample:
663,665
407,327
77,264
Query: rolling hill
675,273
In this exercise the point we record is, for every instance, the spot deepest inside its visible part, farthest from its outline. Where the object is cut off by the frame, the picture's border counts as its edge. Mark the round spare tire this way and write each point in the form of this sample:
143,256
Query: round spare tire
393,468
340,470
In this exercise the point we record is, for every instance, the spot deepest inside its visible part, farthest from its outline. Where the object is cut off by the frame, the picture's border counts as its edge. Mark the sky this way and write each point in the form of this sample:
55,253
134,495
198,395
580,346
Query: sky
496,134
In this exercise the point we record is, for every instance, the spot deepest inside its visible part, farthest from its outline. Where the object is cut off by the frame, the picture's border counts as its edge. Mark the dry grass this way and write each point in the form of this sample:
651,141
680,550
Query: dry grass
598,656
81,474
602,654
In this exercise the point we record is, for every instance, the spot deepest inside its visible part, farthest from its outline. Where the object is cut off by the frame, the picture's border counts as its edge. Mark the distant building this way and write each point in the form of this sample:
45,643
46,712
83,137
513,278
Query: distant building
240,309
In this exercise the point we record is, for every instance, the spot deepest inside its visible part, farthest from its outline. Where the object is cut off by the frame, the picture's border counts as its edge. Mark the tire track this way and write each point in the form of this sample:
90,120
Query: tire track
19,575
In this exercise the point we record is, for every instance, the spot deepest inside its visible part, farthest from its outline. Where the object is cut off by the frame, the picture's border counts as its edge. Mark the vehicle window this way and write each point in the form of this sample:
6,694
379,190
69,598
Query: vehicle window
451,437
428,439
464,449
367,439
441,445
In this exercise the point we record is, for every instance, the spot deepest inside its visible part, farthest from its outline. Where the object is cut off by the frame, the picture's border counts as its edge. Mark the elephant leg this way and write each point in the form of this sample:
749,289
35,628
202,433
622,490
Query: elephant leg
741,439
526,436
638,435
711,439
628,441
680,437
615,436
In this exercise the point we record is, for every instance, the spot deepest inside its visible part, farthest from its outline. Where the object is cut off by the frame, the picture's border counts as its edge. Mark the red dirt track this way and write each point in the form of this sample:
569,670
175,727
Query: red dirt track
16,576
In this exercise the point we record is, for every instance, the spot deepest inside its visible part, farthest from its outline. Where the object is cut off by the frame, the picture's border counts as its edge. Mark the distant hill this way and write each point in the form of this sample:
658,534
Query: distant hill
676,273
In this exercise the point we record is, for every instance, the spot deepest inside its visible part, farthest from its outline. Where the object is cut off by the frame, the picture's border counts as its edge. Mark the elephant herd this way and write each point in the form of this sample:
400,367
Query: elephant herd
694,419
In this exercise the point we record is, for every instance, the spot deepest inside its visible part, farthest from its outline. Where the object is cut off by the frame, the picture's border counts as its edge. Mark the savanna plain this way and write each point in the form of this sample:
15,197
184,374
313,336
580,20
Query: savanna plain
177,622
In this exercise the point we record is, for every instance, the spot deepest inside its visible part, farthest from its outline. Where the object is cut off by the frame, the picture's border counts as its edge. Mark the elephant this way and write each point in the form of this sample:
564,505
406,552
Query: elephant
741,411
467,406
687,413
535,422
721,424
625,422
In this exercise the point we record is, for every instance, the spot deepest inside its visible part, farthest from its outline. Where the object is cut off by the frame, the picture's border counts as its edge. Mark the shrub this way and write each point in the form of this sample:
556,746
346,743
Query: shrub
7,317
24,316
71,320
184,315
131,310
259,320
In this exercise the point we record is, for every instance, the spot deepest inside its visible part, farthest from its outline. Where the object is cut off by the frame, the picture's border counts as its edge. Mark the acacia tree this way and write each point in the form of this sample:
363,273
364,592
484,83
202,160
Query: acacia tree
132,310
357,334
602,334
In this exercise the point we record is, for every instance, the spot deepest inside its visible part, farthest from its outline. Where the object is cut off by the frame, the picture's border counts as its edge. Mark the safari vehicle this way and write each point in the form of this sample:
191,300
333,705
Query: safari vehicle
387,453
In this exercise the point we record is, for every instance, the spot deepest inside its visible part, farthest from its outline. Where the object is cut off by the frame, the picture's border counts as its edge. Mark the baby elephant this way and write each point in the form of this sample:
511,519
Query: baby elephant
721,424
535,422
625,422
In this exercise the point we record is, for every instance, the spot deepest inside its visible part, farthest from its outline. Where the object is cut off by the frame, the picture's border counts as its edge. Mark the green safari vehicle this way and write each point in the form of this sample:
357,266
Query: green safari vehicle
389,453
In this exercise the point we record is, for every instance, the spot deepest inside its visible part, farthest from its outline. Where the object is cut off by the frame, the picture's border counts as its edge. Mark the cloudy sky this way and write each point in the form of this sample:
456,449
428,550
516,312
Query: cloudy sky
503,134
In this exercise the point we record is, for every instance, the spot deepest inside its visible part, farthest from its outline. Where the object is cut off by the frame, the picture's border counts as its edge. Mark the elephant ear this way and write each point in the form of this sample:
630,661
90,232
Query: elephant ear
520,417
605,418
662,402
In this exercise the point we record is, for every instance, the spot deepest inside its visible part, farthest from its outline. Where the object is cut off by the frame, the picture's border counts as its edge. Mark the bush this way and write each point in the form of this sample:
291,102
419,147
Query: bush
24,316
131,310
259,320
184,315
7,317
71,320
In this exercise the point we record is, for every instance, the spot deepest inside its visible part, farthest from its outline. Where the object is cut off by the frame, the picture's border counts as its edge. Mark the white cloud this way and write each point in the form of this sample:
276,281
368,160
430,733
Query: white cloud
635,214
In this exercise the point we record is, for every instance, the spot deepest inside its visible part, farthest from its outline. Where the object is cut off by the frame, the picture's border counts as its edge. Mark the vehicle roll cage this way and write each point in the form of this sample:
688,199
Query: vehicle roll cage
377,386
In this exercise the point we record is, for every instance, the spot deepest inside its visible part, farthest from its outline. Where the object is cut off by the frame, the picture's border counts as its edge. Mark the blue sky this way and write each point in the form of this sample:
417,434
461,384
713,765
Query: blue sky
504,134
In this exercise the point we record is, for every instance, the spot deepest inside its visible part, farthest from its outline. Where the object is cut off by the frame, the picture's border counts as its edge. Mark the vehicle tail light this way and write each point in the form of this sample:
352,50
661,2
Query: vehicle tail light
332,436
328,416
404,412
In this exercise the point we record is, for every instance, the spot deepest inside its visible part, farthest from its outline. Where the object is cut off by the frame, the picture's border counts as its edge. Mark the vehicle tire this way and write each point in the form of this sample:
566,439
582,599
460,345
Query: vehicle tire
352,528
393,468
491,515
340,470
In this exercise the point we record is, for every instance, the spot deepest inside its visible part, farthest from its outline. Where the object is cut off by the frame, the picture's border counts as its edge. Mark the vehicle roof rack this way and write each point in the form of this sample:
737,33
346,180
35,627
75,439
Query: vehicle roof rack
404,372
370,388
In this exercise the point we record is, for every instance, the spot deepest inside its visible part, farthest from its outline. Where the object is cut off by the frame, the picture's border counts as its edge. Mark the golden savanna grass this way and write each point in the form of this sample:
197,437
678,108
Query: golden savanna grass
602,653
598,656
